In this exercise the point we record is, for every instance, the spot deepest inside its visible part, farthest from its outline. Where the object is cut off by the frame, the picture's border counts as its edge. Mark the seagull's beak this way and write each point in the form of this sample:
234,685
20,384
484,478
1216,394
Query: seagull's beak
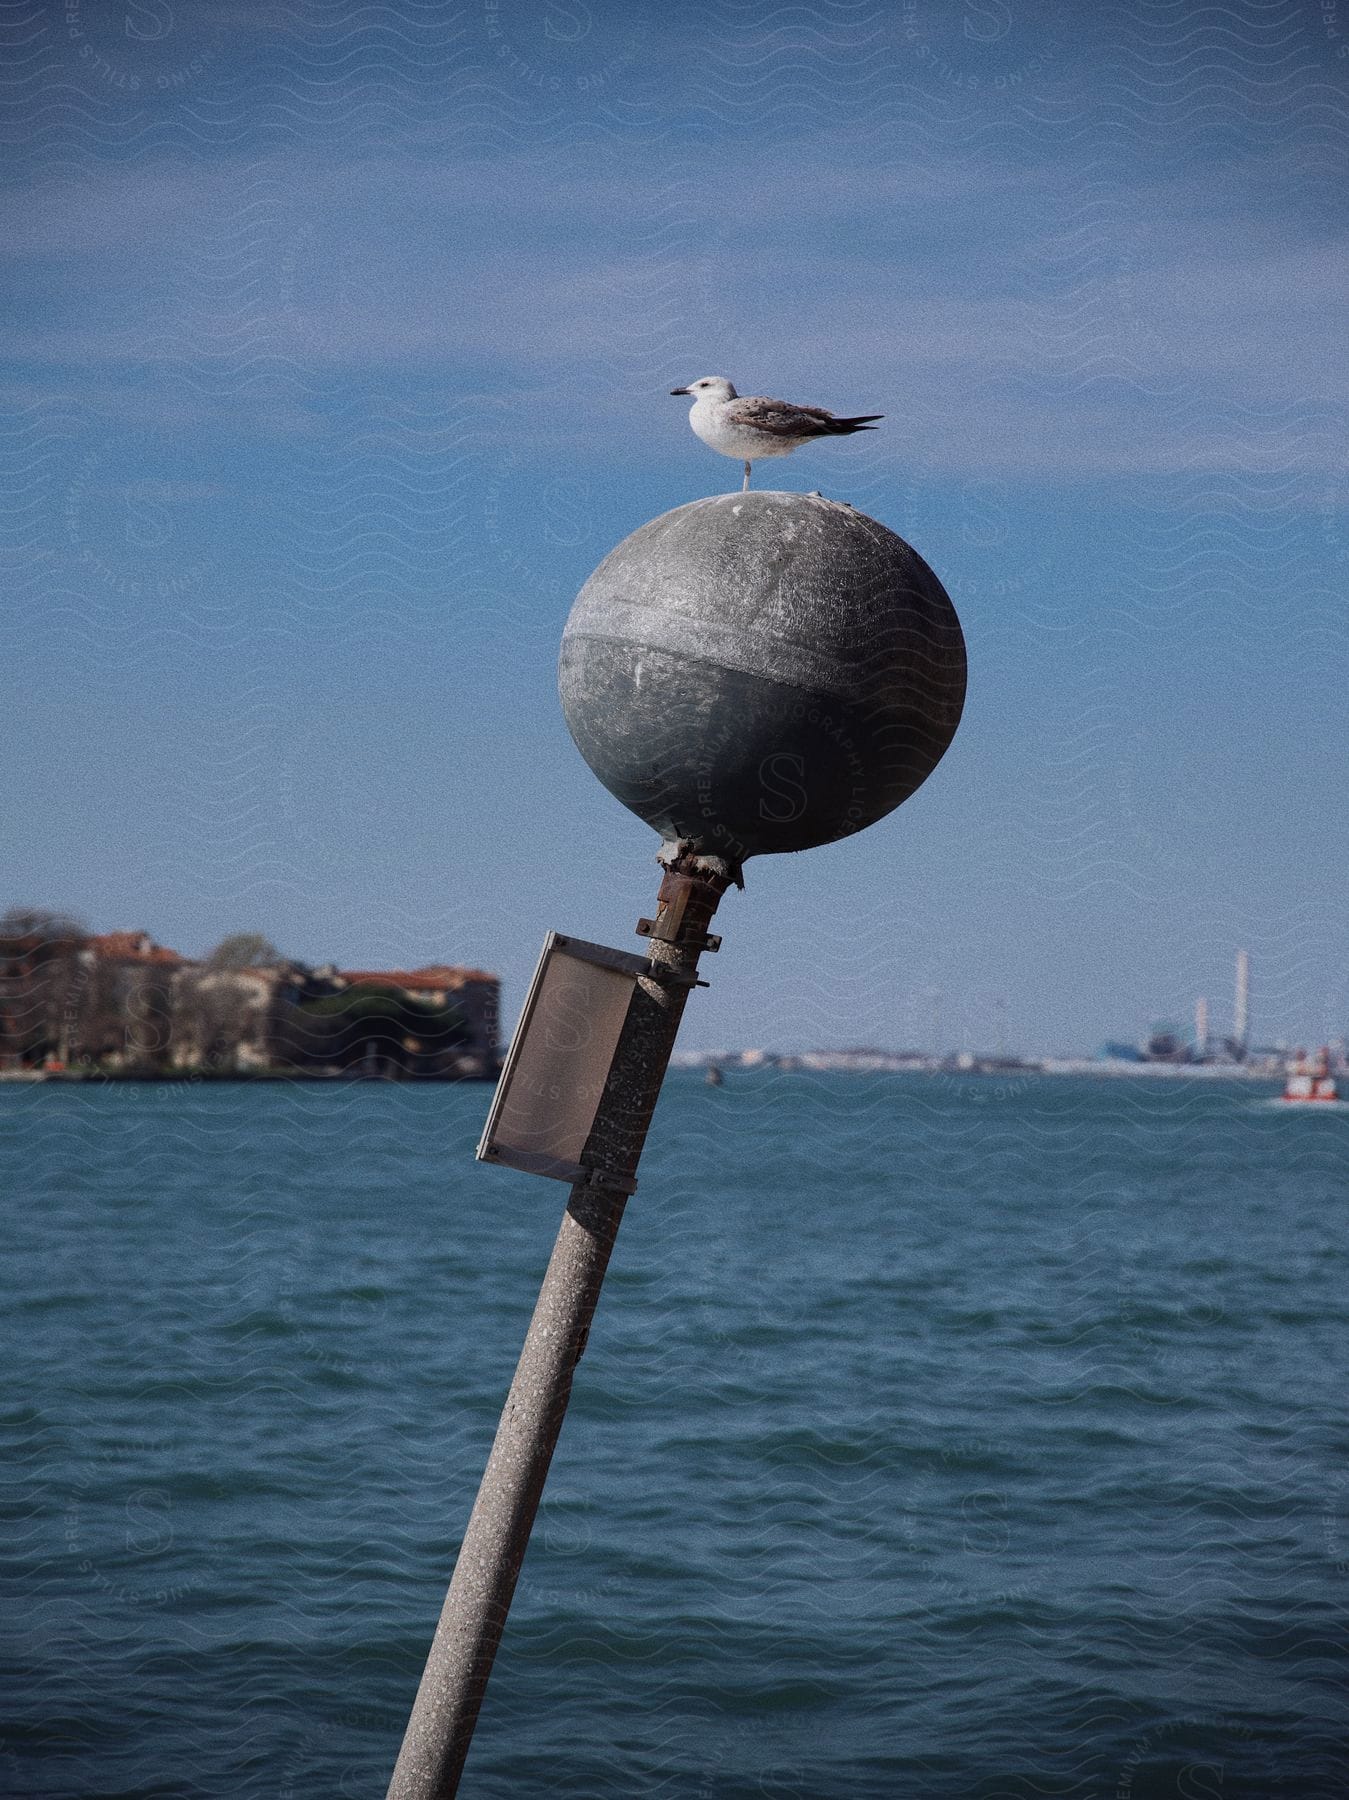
679,391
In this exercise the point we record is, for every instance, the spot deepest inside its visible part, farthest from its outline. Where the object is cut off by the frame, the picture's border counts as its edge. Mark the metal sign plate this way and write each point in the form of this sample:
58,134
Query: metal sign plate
560,1057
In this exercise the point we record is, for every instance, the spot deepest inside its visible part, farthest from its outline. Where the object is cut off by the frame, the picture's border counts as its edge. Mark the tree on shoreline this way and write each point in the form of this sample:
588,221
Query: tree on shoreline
244,950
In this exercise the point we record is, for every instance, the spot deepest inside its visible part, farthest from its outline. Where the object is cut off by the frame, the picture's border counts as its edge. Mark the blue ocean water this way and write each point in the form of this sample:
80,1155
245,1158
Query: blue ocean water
936,1437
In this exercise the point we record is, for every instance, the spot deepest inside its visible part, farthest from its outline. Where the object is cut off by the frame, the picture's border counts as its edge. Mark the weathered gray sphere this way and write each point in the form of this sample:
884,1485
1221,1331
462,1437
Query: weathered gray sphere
762,672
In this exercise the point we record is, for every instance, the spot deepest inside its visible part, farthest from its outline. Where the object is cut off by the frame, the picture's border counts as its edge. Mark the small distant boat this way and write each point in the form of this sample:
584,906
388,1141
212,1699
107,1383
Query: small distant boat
1310,1082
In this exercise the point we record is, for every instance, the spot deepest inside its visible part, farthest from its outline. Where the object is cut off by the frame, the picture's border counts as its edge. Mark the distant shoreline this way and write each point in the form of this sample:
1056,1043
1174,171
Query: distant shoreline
828,1063
233,1078
808,1064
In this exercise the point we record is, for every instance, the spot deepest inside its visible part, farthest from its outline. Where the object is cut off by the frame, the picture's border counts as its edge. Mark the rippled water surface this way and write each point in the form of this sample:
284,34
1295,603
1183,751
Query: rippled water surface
935,1438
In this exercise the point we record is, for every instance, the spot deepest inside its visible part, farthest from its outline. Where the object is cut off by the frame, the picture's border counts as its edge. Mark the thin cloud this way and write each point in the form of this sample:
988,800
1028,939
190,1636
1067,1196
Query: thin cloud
959,297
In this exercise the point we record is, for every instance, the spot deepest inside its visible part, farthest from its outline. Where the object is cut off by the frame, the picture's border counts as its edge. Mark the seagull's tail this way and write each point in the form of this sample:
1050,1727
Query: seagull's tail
844,427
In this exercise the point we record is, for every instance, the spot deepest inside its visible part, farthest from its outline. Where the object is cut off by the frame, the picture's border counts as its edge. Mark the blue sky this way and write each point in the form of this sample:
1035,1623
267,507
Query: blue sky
338,348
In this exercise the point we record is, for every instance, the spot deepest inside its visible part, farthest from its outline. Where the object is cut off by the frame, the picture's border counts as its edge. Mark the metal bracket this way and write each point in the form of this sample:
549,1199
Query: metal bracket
593,1177
676,891
705,941
668,976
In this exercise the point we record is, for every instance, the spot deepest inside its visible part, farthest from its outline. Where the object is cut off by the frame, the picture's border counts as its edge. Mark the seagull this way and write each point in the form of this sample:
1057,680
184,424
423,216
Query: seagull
750,427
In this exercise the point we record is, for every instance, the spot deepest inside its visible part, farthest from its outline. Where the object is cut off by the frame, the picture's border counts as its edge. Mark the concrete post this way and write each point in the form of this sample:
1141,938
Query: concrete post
751,674
446,1708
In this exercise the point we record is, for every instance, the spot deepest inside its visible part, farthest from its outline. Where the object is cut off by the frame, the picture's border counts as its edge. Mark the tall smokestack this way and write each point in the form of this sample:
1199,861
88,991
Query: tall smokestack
1201,1027
1241,1010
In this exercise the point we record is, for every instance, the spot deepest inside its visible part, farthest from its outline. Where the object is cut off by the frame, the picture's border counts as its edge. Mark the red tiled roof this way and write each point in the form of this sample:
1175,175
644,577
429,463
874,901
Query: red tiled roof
417,980
117,943
125,946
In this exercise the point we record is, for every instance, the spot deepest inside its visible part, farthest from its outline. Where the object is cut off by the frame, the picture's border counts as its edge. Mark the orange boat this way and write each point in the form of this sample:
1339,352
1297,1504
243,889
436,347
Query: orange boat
1310,1082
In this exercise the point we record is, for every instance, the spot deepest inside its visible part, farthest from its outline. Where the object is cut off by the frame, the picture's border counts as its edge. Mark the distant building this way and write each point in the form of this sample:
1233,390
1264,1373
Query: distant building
41,982
475,993
129,1005
225,1019
246,1019
117,1000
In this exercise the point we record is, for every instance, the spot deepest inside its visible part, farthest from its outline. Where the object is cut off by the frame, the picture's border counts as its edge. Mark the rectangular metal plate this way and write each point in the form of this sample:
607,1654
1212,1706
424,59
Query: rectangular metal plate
560,1057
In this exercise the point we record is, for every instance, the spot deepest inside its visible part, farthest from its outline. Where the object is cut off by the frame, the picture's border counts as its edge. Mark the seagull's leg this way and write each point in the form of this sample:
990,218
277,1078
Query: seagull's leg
744,489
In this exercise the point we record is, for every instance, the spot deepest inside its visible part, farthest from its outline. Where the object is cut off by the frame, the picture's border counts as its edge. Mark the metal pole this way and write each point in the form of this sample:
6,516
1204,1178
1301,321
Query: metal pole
455,1678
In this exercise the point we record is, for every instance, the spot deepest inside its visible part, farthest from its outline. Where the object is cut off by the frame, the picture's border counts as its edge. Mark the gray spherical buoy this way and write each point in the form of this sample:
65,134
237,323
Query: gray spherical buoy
762,672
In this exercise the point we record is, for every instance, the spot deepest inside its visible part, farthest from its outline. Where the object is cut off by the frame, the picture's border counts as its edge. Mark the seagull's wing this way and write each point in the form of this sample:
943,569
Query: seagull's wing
779,418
